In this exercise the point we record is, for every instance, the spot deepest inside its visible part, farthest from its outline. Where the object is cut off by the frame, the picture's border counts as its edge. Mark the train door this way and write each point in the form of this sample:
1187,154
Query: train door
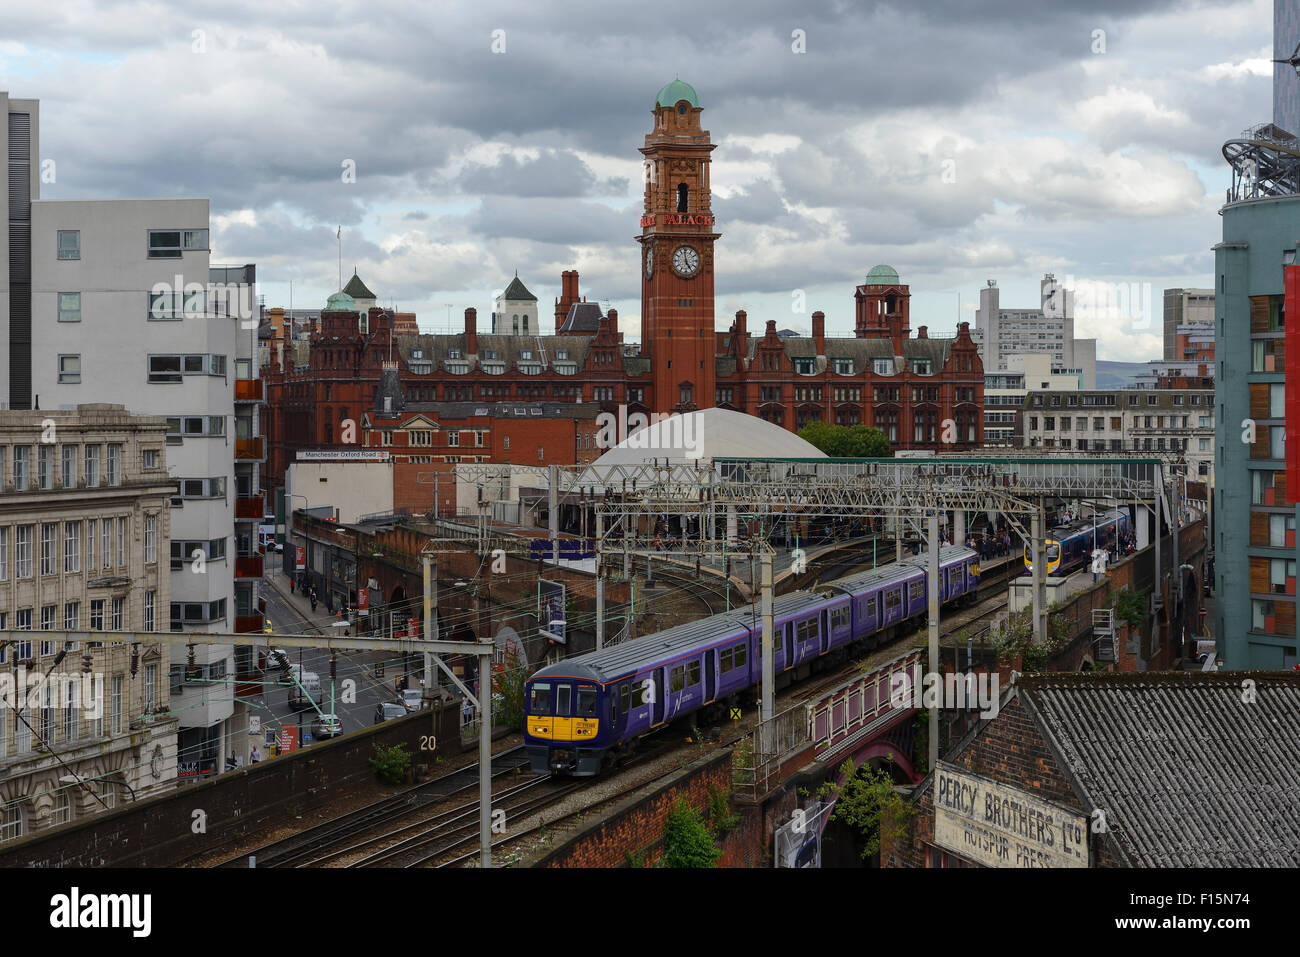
563,711
659,708
787,646
824,638
710,675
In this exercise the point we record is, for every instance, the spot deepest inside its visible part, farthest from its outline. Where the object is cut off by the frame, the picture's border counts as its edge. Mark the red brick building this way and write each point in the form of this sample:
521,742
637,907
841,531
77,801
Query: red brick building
918,390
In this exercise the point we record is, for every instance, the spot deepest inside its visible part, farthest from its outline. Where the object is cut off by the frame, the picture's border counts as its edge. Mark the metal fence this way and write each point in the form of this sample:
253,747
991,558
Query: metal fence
756,761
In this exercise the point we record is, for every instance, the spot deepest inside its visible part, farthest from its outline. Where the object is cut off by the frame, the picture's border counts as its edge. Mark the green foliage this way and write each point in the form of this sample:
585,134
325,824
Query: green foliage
392,765
846,441
635,860
509,684
1015,636
720,816
868,802
1131,607
921,742
688,842
742,762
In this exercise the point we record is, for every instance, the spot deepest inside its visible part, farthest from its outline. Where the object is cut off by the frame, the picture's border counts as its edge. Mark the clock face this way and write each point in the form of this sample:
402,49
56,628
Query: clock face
685,261
649,261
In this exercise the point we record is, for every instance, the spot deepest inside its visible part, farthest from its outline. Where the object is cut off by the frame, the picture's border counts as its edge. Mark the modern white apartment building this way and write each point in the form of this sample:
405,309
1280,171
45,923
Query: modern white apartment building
84,522
1004,393
126,308
1001,332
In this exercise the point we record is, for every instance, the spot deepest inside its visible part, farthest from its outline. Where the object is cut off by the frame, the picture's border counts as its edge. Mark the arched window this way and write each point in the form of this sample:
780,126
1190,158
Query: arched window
683,195
516,326
525,325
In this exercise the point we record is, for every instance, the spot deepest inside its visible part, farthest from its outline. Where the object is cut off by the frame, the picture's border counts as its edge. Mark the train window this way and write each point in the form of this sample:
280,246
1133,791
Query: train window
638,692
914,591
741,655
586,704
1053,552
892,600
808,630
871,607
726,660
623,693
563,694
840,618
692,673
677,679
540,702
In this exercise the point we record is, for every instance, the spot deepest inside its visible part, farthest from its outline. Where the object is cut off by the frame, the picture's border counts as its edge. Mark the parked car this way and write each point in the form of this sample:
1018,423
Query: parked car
388,710
327,726
412,698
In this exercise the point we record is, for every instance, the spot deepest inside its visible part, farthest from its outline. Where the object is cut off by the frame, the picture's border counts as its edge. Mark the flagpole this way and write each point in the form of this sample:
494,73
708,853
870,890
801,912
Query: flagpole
340,239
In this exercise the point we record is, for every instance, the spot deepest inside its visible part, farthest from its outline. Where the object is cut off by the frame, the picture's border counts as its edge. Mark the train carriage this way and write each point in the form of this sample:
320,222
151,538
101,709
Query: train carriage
1070,546
588,710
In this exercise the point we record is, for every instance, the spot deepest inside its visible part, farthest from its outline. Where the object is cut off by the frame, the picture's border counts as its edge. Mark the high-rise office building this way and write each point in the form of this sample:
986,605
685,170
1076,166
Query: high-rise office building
1286,84
1002,332
1192,308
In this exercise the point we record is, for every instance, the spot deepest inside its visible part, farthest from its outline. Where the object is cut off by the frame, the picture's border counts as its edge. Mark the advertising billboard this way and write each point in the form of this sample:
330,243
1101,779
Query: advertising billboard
550,610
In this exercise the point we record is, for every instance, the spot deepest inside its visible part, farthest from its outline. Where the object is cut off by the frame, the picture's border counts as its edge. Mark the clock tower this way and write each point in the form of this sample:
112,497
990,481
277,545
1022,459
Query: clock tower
677,236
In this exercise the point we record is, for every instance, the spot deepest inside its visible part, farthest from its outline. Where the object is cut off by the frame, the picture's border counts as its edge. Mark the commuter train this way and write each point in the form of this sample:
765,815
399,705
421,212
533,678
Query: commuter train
1070,546
586,712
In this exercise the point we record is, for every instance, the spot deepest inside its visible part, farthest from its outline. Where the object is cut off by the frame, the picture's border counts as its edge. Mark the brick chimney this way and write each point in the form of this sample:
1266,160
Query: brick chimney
568,296
741,331
921,332
612,316
819,332
471,331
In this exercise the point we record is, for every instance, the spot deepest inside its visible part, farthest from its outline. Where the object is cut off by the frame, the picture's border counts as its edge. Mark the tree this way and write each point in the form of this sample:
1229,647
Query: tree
688,842
509,684
869,803
846,441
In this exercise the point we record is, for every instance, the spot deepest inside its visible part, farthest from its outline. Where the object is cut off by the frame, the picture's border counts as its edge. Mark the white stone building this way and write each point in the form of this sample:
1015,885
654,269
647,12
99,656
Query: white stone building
1049,329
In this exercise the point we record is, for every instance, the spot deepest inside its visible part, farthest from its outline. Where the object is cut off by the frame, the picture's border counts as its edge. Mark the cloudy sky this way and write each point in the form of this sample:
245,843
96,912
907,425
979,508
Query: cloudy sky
958,140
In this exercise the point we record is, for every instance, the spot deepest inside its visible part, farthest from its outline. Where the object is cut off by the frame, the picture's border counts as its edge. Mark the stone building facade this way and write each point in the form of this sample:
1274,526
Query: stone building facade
85,522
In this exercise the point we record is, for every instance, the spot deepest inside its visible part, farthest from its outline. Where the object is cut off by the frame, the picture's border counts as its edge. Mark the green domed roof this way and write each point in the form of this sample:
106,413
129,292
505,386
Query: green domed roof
340,302
677,90
882,276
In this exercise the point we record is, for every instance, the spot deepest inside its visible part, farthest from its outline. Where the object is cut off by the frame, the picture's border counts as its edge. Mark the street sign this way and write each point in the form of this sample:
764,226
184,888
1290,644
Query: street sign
254,724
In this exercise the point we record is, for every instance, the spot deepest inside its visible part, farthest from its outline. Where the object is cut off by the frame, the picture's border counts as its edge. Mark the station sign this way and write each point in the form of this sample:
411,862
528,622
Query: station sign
343,455
1001,826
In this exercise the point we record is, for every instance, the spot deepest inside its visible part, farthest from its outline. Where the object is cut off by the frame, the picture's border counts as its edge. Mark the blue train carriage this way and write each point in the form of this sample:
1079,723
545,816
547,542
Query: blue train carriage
1069,547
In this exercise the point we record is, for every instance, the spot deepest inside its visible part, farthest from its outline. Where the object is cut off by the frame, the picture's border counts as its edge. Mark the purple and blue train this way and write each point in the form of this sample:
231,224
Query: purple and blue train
586,712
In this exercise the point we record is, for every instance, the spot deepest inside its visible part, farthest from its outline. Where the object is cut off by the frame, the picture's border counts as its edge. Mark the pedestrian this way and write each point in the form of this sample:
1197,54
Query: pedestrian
256,755
291,584
313,599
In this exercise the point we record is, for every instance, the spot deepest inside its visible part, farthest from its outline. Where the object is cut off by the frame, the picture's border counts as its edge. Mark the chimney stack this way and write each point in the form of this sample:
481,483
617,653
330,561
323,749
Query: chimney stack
471,331
819,332
612,316
921,332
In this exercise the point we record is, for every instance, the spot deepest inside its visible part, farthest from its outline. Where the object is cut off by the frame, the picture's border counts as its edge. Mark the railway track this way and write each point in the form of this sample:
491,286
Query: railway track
316,844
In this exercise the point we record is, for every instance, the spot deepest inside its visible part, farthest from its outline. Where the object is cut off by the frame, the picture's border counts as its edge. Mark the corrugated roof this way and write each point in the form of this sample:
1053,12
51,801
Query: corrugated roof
1188,772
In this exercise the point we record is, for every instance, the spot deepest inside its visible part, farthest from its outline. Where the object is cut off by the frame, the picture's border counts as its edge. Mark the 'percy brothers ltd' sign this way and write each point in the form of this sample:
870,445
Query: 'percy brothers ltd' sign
1001,826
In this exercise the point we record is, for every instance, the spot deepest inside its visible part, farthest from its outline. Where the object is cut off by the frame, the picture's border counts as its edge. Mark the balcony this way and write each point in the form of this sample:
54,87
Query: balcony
248,566
249,450
248,390
249,507
249,624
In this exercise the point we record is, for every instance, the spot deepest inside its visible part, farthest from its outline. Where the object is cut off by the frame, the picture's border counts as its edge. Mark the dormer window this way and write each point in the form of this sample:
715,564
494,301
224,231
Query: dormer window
805,365
489,353
882,366
453,353
844,366
525,354
922,366
561,353
417,353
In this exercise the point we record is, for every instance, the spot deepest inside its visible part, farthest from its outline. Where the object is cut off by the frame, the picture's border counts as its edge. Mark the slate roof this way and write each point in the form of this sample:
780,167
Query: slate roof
517,290
357,289
1188,773
503,409
582,317
507,348
862,349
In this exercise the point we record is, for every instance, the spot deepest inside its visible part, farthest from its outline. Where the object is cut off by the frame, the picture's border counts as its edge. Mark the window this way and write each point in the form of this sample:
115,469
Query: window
740,656
453,438
170,243
882,366
69,307
72,616
113,464
4,554
115,705
49,548
70,369
69,475
149,611
92,466
72,546
563,699
677,679
69,244
170,368
150,688
150,539
11,825
119,608
45,466
22,467
422,437
97,615
106,543
23,551
176,305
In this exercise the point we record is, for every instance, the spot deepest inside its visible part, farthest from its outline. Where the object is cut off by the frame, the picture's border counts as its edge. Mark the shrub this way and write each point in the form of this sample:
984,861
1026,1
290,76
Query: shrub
688,842
391,765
